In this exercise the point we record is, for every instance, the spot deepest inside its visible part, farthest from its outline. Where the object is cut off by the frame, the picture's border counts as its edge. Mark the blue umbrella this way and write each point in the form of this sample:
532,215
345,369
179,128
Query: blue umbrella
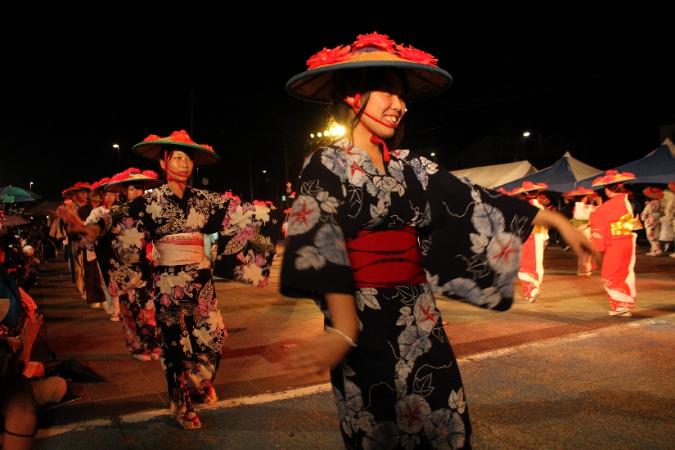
13,194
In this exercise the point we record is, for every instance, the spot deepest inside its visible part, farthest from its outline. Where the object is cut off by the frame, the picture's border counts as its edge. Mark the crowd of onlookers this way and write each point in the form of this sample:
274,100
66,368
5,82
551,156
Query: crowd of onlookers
24,386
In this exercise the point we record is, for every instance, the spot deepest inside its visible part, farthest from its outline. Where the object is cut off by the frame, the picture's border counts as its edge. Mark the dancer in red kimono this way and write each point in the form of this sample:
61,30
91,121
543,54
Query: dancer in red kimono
612,233
531,271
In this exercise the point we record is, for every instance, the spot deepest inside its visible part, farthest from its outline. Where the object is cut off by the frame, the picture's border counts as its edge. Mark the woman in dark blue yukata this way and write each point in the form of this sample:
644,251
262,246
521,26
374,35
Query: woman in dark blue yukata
375,234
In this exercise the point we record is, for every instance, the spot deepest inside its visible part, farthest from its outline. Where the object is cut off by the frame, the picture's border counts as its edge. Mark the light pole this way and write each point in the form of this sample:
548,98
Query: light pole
117,150
30,185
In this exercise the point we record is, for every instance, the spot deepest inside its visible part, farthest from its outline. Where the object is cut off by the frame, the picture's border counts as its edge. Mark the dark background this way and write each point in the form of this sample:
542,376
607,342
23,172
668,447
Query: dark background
75,80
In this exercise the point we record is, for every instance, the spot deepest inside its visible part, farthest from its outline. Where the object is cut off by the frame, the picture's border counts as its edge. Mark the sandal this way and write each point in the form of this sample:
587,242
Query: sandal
210,397
189,421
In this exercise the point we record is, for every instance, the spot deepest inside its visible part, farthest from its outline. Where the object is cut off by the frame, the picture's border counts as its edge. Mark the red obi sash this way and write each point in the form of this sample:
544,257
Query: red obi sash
386,258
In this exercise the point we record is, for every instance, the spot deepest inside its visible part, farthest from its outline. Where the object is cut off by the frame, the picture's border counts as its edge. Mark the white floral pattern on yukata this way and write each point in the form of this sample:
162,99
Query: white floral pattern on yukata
401,387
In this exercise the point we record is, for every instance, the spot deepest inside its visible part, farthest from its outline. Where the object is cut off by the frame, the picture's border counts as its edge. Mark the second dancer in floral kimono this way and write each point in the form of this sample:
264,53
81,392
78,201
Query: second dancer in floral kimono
176,218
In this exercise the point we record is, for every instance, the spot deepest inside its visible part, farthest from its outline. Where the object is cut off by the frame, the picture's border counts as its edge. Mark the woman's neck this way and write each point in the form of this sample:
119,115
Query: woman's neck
177,187
361,139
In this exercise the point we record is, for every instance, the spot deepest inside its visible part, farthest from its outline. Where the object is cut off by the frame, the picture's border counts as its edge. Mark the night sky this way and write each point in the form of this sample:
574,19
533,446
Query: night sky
77,80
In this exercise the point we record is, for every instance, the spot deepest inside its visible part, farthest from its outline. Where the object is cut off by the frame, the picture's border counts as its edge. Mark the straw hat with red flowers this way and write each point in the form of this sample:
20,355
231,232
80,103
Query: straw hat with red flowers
373,50
152,147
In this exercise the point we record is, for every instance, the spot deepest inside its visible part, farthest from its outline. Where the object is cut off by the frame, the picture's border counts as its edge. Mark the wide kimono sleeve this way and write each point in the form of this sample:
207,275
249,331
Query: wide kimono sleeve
144,211
472,248
315,258
247,237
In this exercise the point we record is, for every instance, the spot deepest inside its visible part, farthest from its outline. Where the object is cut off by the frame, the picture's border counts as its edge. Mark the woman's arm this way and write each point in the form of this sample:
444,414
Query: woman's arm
76,225
574,238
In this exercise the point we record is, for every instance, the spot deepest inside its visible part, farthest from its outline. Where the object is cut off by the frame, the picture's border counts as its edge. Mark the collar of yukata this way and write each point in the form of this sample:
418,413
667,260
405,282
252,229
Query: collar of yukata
375,139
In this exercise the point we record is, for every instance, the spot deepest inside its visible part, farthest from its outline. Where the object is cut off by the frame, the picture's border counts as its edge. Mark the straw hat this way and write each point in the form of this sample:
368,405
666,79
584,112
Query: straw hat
423,76
152,147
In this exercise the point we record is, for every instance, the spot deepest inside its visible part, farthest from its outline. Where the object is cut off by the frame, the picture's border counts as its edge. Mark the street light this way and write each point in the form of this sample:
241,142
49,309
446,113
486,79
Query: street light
30,185
117,148
526,134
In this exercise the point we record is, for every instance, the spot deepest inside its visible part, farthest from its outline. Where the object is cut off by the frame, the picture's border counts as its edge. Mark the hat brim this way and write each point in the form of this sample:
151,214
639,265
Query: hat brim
316,85
71,191
153,150
618,180
120,186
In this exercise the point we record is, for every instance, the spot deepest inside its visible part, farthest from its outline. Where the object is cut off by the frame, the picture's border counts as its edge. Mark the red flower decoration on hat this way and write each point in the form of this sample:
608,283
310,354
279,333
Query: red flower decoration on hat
376,40
150,174
530,186
181,136
613,176
416,55
125,174
653,192
328,56
81,185
99,183
151,137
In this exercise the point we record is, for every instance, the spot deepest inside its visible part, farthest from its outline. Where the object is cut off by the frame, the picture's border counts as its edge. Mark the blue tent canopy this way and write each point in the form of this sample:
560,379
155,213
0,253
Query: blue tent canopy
656,167
562,176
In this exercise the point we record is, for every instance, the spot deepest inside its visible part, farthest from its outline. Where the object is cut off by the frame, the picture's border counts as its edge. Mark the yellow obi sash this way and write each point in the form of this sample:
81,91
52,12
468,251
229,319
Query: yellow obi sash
623,226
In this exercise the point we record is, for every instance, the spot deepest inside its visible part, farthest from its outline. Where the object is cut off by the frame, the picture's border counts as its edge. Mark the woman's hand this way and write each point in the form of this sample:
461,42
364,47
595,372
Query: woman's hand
324,352
29,333
574,238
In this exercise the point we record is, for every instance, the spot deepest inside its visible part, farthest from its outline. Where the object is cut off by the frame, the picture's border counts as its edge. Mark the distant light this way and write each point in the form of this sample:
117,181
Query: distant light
526,134
264,171
319,134
311,135
116,146
336,130
433,154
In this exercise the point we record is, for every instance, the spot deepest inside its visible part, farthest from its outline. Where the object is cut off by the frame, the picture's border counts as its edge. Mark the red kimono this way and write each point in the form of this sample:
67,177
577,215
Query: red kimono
531,271
612,233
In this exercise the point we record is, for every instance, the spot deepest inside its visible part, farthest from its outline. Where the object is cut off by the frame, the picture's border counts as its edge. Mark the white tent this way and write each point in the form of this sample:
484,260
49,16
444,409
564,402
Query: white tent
496,174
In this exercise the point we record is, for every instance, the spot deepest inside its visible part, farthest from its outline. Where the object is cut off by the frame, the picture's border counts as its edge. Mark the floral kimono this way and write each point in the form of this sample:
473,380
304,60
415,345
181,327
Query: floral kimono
650,216
130,280
187,312
401,387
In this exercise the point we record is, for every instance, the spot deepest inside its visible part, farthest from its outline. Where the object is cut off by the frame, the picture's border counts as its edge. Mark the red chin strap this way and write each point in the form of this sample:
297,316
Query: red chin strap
375,139
170,174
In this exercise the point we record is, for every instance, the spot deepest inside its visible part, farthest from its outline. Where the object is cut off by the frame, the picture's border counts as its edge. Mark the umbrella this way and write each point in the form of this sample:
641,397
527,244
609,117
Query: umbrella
13,194
15,221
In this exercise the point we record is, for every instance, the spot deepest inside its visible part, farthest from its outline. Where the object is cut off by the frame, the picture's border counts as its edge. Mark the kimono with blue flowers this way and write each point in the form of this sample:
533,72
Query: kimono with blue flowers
401,387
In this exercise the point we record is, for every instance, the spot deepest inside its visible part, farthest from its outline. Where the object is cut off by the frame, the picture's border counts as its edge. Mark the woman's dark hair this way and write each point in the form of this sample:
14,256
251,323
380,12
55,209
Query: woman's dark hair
616,187
347,83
